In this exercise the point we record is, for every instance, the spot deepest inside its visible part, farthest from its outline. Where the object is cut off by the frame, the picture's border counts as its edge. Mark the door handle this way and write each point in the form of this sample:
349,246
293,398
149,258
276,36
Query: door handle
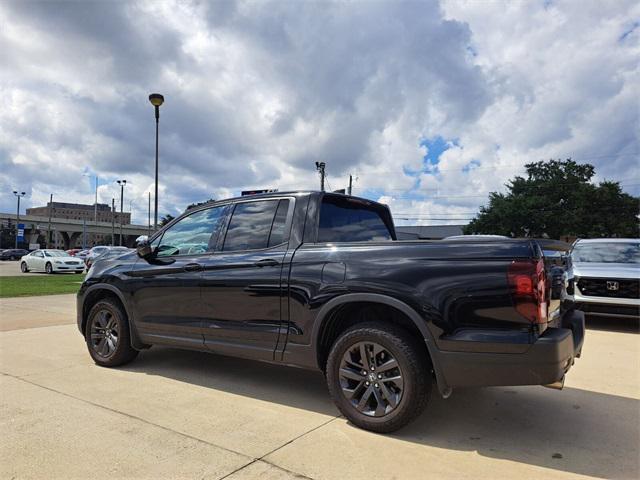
267,262
192,267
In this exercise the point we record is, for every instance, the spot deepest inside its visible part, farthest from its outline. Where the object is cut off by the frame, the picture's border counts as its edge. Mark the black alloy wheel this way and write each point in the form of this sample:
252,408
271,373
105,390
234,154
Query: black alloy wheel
379,376
371,379
107,334
48,268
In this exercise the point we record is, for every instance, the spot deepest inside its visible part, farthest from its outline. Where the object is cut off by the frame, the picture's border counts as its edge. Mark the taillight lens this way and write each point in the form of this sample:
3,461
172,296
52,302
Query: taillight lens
528,284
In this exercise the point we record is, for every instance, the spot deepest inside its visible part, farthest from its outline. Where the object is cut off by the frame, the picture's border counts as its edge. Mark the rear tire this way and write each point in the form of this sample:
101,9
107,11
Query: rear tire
107,334
387,390
23,267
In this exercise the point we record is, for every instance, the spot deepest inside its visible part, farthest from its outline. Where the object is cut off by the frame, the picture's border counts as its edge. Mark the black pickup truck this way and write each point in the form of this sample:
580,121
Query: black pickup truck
318,280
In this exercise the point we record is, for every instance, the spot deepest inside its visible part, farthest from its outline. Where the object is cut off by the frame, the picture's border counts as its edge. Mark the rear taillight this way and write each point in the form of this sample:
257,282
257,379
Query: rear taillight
528,284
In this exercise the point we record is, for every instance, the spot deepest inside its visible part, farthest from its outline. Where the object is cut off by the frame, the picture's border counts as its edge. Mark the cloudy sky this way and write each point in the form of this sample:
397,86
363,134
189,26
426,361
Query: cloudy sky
429,105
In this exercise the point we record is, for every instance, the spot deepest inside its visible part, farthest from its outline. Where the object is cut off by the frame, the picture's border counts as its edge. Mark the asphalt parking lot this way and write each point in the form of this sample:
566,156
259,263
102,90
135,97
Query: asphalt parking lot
177,414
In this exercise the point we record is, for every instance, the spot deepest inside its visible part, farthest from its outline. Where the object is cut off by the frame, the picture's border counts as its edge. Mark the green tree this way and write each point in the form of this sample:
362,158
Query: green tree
193,205
165,219
555,199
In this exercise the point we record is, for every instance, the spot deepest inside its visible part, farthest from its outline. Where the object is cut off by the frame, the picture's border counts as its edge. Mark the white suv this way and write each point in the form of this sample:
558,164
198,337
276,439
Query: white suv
604,277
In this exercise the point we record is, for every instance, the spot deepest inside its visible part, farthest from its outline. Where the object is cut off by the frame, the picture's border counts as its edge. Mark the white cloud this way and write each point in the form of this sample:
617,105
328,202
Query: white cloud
257,92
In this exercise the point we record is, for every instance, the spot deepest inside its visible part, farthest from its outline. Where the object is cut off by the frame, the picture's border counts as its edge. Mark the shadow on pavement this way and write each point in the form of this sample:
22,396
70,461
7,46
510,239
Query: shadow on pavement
612,324
274,383
574,430
577,431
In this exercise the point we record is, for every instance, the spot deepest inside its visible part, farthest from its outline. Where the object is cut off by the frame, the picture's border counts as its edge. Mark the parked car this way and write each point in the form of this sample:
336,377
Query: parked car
82,254
604,277
74,251
93,254
318,280
13,253
50,261
99,252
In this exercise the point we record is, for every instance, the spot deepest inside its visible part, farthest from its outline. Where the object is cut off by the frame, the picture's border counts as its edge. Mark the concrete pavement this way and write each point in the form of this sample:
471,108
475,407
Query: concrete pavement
179,414
30,312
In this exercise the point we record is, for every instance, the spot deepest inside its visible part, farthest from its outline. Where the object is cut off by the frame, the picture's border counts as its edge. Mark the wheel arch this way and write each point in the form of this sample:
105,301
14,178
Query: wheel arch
98,292
332,307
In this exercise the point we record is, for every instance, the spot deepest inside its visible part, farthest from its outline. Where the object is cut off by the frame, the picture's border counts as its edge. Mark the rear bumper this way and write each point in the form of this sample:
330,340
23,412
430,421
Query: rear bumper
545,362
597,309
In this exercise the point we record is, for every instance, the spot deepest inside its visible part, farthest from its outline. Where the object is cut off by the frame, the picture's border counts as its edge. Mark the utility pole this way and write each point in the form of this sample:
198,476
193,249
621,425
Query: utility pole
149,214
350,185
122,184
84,234
19,195
49,224
95,216
113,222
320,166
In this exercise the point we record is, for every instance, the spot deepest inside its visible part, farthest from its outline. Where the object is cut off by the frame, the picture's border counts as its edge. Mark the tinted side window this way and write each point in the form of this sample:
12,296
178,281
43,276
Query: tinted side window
350,221
193,234
251,224
279,222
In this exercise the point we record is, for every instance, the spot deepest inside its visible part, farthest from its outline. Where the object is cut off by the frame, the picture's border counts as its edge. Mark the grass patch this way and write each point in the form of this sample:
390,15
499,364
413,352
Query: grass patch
27,286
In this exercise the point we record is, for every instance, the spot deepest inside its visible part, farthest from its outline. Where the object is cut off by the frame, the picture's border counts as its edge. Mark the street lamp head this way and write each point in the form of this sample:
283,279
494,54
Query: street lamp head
156,99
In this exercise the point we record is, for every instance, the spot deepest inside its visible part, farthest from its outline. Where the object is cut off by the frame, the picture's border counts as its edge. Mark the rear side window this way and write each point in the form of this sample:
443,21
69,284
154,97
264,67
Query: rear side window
277,235
256,225
344,220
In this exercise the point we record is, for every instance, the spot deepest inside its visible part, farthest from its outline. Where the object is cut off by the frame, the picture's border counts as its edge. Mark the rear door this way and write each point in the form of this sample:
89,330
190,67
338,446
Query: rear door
242,285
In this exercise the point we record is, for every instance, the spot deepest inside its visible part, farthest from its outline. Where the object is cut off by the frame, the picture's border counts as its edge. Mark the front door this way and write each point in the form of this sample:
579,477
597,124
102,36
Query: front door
242,282
37,262
166,297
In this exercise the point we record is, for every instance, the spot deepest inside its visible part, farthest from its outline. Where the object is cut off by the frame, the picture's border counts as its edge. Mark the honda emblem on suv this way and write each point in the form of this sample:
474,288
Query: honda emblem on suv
612,285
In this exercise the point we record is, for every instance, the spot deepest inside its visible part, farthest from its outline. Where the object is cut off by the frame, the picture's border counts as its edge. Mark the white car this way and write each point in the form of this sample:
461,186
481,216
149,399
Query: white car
604,276
50,261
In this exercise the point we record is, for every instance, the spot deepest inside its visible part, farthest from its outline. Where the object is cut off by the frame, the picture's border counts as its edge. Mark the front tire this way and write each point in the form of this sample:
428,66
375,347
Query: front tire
48,268
379,376
107,335
23,267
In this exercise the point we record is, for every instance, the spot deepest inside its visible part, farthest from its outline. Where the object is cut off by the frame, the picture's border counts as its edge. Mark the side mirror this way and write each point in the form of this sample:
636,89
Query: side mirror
143,247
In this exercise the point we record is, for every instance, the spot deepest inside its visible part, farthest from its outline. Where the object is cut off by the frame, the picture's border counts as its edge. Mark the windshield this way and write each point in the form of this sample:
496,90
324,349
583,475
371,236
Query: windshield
56,254
607,252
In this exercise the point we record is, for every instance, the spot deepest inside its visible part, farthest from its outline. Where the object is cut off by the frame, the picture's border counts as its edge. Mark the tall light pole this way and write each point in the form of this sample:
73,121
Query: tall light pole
122,184
156,100
149,215
113,222
48,244
19,195
95,210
